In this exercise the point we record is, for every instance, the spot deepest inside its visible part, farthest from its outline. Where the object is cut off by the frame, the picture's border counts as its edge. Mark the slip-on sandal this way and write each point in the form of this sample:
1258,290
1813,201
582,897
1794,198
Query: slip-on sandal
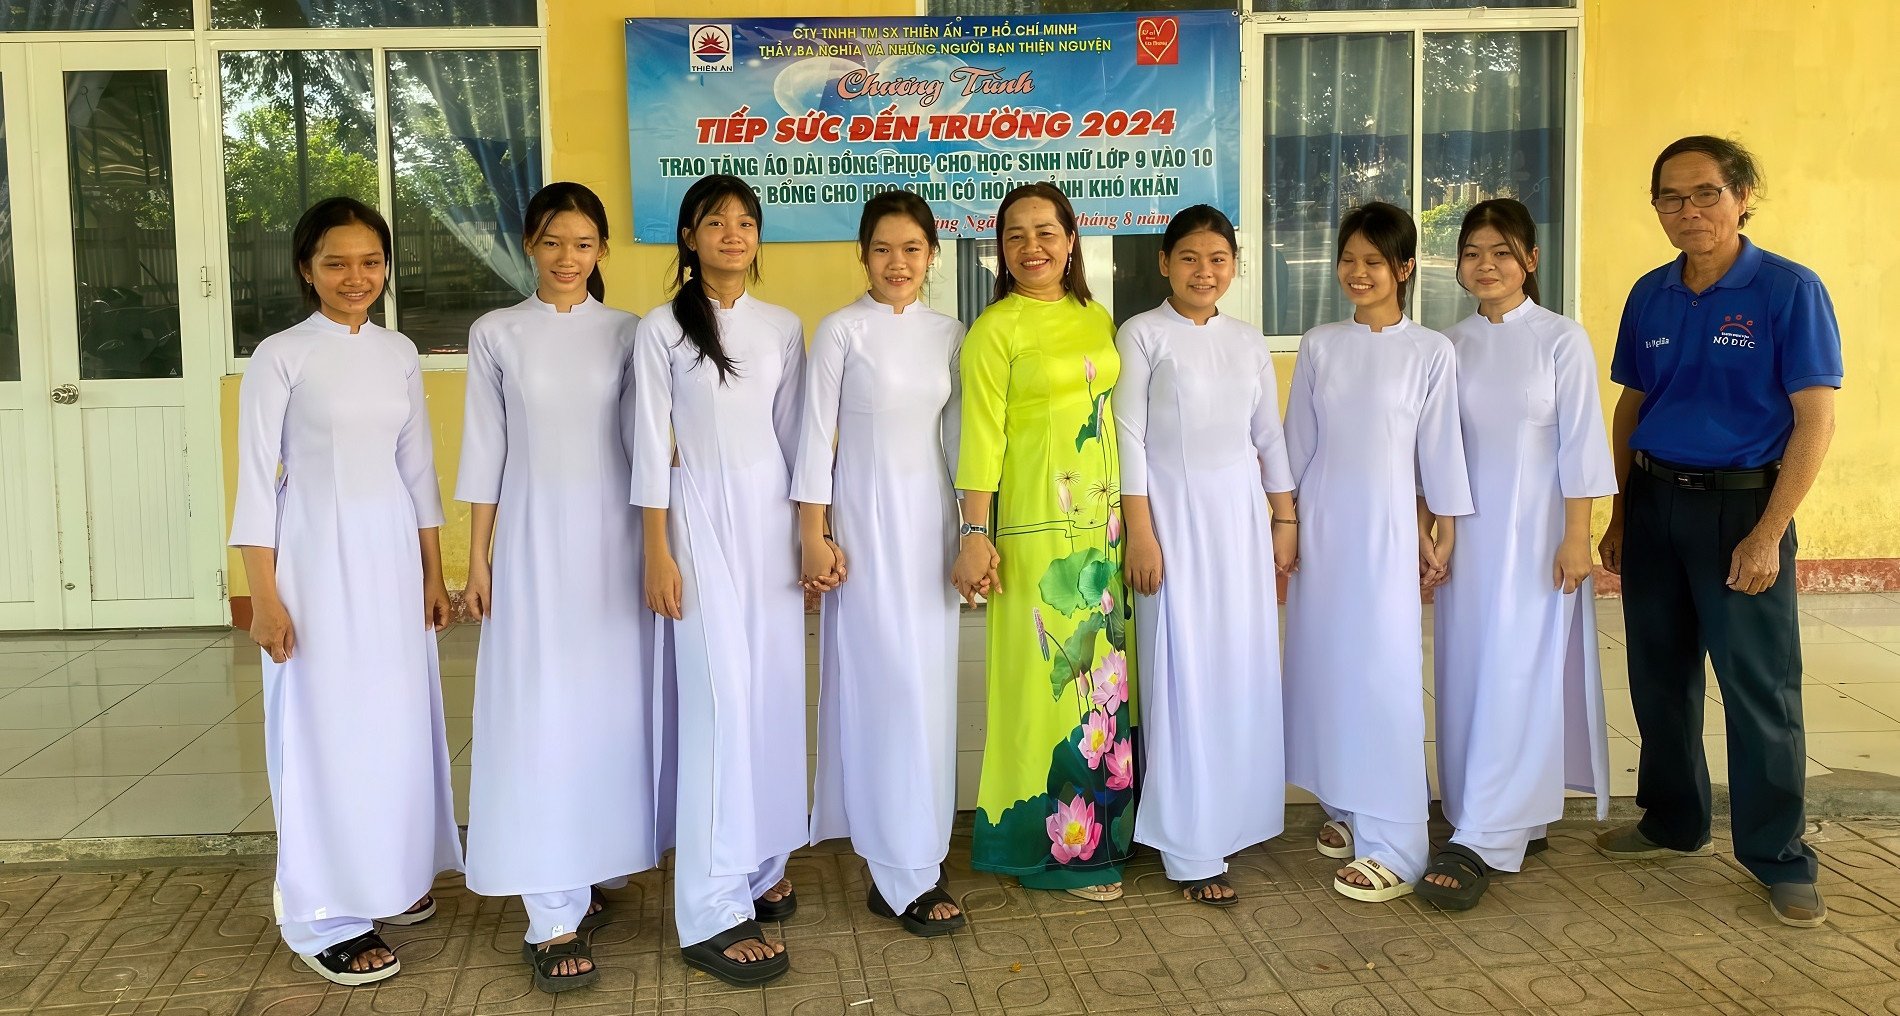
333,964
595,918
1340,852
916,918
711,957
1197,891
776,910
1385,885
417,914
1089,892
1455,860
546,959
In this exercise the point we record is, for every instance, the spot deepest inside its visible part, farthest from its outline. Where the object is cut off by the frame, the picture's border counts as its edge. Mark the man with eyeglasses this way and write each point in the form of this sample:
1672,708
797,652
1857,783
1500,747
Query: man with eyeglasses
1729,358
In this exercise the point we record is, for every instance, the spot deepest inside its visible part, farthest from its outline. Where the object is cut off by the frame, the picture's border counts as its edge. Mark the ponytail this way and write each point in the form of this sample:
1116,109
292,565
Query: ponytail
692,309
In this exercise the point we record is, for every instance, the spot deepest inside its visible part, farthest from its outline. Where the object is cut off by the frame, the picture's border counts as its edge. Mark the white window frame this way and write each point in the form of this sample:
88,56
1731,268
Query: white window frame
213,43
1256,28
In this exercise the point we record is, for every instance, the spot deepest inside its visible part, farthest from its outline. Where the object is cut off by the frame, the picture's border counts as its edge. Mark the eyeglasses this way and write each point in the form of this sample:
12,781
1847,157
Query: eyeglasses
1701,197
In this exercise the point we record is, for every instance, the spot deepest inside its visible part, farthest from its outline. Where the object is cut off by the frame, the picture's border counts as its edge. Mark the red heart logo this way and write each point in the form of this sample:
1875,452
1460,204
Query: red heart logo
1156,37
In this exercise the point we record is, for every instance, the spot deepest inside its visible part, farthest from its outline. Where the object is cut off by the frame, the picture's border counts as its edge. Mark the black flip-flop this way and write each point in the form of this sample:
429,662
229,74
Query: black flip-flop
1455,860
776,910
333,964
595,918
711,957
916,918
1193,890
545,959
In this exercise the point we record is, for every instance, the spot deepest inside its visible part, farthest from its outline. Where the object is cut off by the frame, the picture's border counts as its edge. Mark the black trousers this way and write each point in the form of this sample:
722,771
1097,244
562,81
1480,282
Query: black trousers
1677,546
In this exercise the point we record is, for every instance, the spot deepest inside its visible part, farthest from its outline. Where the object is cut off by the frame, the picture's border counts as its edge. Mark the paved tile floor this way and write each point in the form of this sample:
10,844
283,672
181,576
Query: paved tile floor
161,733
1572,934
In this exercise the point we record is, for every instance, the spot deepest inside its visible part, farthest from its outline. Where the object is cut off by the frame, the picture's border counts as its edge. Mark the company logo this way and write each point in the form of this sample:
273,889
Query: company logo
1735,332
1157,41
1656,343
710,47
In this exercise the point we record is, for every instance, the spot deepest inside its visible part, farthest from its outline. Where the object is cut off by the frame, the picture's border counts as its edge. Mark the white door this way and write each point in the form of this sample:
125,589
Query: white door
109,508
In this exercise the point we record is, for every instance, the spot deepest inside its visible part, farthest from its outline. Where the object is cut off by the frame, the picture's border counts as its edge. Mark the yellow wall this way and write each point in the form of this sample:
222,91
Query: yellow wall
1809,88
1804,85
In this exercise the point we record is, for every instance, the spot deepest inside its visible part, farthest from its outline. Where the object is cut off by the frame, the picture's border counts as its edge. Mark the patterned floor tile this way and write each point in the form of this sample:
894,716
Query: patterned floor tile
1572,935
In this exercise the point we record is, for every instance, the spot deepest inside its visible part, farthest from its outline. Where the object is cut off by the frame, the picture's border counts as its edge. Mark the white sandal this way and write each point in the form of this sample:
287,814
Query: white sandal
1339,852
1385,885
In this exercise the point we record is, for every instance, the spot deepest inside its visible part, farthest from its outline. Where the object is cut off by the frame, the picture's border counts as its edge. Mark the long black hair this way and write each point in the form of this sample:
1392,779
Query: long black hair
1513,222
319,219
691,307
1073,280
566,196
1391,231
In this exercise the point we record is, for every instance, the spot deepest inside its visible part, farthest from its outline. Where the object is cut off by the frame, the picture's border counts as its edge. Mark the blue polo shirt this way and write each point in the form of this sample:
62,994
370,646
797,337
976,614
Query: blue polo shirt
1716,368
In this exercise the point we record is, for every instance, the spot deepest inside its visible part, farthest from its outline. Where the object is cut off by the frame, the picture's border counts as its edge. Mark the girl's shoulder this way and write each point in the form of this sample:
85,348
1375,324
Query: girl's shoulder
778,318
1325,334
660,321
1429,341
617,318
1467,327
1556,329
1149,330
934,319
497,323
841,324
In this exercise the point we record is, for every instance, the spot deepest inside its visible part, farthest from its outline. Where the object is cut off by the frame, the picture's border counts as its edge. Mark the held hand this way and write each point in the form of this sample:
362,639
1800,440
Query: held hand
1143,565
1611,547
272,631
974,573
663,586
1434,561
1572,565
437,612
478,596
1441,549
817,565
1756,563
1286,549
840,570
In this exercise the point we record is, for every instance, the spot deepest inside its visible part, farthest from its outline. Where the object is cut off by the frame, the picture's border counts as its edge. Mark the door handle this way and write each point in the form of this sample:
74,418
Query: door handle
66,394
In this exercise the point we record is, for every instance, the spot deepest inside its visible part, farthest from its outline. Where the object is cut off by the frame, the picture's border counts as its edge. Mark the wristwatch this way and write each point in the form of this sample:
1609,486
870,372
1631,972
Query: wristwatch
966,529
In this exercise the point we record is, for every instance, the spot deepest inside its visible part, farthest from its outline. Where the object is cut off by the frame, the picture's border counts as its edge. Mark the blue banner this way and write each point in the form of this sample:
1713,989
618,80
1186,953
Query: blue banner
1134,116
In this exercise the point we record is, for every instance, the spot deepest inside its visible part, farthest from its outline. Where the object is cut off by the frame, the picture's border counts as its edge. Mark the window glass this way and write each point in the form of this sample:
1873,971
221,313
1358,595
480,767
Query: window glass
93,15
125,250
9,300
1338,135
369,13
299,126
1494,127
465,134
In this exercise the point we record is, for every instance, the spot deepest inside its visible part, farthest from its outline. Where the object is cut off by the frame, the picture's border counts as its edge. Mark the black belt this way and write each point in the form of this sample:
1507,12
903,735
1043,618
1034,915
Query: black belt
1689,478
